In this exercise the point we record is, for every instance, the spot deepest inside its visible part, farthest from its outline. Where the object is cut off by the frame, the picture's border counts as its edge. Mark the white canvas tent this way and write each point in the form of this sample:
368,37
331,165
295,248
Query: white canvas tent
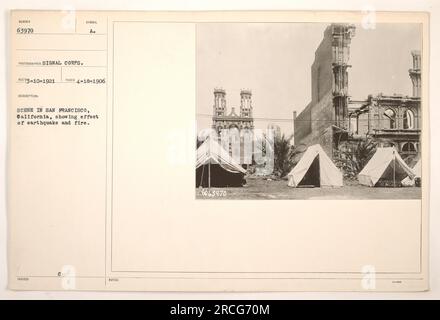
215,167
417,169
387,167
315,168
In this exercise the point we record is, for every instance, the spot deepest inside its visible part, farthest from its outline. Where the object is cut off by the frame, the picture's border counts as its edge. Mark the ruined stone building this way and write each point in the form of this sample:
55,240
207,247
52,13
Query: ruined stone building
323,119
336,122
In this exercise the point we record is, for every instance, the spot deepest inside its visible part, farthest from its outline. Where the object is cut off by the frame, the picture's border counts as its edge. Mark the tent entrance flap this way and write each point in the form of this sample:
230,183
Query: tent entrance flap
313,174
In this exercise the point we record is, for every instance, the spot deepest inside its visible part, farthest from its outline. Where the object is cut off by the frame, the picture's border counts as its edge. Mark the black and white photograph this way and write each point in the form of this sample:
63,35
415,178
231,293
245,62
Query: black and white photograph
238,153
308,111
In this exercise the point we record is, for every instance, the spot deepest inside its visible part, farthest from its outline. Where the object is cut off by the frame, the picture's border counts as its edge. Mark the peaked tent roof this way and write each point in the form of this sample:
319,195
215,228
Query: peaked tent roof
418,169
211,152
329,173
378,164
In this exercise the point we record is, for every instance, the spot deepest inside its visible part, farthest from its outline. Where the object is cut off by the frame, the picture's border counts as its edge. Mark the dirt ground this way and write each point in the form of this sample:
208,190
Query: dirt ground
259,188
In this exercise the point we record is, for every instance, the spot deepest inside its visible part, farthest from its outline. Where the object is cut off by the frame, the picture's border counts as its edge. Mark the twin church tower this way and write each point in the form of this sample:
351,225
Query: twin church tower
221,119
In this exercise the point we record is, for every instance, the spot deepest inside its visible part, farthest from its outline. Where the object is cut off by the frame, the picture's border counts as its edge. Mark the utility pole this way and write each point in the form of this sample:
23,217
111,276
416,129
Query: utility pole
294,118
394,168
209,174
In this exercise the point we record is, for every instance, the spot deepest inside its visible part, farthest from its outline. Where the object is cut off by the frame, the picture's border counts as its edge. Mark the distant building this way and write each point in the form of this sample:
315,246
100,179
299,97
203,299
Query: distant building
238,126
336,122
241,121
275,128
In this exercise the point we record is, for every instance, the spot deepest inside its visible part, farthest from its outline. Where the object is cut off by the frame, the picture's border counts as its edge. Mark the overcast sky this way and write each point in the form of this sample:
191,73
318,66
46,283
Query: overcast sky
274,60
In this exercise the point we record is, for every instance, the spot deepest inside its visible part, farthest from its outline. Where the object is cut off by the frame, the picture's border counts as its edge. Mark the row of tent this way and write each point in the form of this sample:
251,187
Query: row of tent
385,168
216,168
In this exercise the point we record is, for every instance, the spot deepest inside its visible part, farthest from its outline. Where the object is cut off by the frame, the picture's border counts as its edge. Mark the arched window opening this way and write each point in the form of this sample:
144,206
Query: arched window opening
408,147
408,120
388,144
391,116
